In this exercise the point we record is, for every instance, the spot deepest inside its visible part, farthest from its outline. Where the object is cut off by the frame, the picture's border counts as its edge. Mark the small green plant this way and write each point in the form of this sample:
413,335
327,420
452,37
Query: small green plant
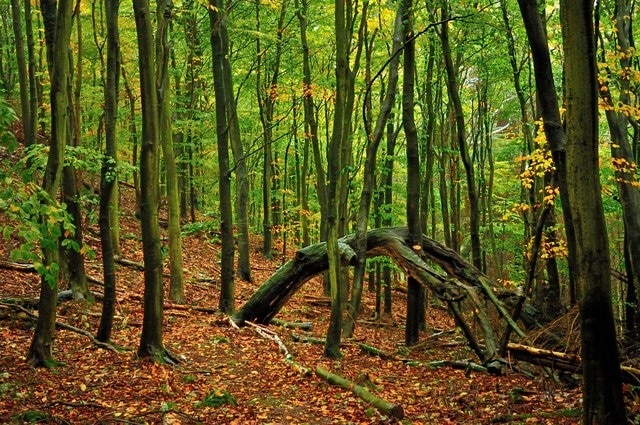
32,417
217,398
189,379
219,340
209,228
168,406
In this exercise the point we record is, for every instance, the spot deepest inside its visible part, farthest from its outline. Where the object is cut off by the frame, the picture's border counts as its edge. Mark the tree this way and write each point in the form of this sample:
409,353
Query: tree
267,97
453,90
616,75
415,294
553,129
27,120
108,177
373,142
163,48
602,388
40,351
151,344
334,167
220,47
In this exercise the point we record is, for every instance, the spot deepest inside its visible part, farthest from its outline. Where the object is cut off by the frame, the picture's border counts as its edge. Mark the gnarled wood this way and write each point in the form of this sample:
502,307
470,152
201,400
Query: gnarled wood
463,283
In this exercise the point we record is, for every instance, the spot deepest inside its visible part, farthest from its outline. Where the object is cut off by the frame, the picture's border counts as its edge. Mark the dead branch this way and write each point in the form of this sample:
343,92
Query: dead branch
395,411
267,333
66,326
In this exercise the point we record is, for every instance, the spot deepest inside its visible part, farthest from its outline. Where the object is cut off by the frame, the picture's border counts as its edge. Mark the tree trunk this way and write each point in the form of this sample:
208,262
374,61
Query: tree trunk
553,128
108,178
25,104
164,16
220,47
415,299
602,388
622,151
151,344
58,32
334,165
454,95
369,179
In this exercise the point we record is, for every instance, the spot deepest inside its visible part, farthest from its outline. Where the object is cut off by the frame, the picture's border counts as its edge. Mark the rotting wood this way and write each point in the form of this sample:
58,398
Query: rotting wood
392,410
305,326
566,362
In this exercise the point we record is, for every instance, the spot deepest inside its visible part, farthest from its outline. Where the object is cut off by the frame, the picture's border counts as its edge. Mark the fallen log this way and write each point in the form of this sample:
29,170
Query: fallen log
20,267
305,326
565,362
394,411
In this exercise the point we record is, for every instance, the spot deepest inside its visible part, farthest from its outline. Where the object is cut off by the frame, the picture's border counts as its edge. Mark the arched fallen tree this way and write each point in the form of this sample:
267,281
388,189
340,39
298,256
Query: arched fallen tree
456,282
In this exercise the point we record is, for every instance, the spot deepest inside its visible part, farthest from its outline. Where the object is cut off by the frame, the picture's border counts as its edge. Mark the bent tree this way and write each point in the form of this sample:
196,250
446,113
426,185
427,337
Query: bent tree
455,283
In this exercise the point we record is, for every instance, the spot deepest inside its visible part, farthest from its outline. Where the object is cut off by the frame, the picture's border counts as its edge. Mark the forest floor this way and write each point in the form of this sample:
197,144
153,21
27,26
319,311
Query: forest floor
237,376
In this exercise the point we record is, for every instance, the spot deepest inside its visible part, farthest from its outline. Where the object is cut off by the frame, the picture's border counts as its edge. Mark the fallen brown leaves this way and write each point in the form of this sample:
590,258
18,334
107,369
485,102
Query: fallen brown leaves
235,376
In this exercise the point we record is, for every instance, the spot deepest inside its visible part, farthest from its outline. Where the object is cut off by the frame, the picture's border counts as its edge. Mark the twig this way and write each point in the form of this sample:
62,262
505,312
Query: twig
273,336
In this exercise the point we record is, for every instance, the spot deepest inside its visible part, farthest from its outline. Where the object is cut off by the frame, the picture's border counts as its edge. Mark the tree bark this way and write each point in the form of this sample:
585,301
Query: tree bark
58,33
220,47
151,344
163,47
108,178
602,388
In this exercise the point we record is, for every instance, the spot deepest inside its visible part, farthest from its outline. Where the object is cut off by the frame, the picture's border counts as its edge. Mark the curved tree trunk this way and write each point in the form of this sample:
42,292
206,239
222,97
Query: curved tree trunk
394,242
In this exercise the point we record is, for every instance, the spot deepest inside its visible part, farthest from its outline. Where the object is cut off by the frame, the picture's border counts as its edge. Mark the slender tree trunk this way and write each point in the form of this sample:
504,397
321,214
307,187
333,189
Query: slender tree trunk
334,165
602,388
108,177
454,95
415,295
22,73
220,47
163,47
151,344
622,152
58,33
553,128
369,180
34,98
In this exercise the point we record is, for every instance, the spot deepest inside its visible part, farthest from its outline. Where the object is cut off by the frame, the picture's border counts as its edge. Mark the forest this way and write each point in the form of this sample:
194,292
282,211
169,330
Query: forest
295,211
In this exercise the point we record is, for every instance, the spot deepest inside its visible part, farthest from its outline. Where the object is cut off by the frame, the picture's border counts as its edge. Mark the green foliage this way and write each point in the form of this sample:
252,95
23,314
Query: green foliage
7,116
210,228
217,398
38,221
32,417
